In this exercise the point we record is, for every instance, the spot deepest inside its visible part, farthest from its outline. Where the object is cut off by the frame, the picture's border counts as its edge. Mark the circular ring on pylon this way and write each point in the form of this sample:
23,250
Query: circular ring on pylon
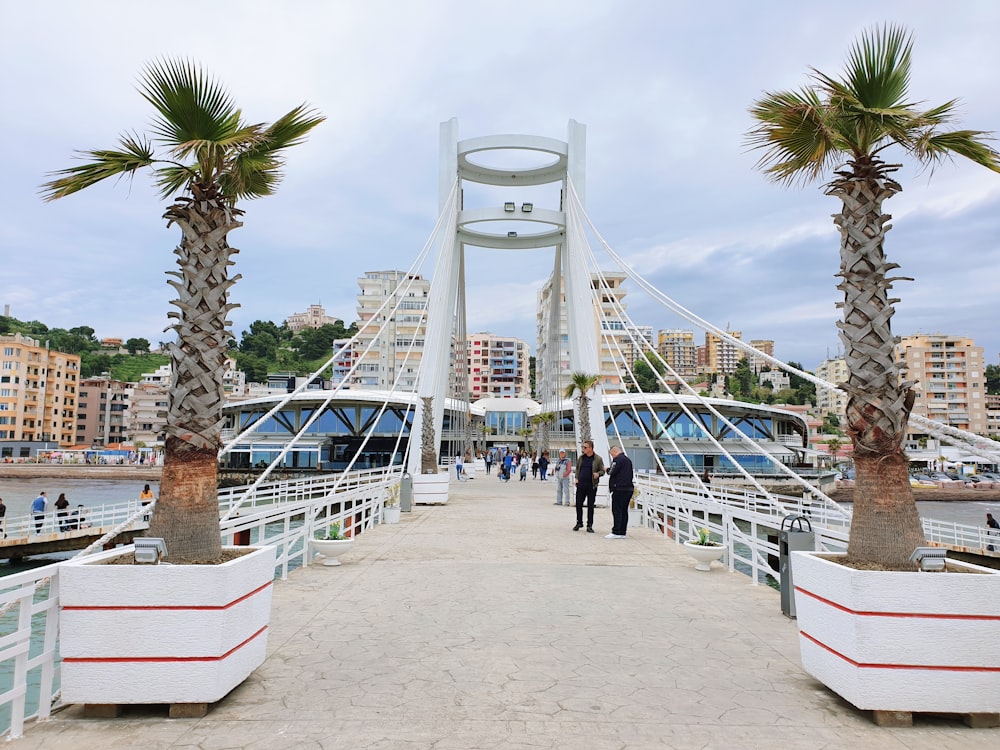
549,172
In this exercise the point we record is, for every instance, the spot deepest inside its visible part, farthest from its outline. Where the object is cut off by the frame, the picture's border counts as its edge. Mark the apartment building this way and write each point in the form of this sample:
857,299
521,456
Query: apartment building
950,379
992,415
314,317
678,349
103,413
827,401
721,356
38,392
149,404
552,368
498,366
757,362
398,351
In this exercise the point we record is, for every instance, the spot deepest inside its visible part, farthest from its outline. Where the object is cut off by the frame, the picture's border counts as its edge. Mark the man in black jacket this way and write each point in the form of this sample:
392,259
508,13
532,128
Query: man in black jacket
621,484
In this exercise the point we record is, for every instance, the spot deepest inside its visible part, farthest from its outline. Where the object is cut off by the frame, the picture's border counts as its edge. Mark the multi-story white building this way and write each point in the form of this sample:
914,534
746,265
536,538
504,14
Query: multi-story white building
398,351
950,379
827,401
150,400
498,367
38,392
314,317
552,368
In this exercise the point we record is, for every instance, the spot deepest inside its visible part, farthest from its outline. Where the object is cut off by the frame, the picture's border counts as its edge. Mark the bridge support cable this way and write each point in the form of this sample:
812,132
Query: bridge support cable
755,447
975,444
414,267
447,215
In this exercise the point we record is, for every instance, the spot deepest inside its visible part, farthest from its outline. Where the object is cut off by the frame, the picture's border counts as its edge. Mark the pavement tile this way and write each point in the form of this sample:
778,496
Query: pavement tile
488,623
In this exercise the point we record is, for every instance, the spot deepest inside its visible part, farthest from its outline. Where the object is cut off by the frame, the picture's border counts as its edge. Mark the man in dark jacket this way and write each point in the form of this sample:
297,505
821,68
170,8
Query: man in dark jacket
621,483
589,468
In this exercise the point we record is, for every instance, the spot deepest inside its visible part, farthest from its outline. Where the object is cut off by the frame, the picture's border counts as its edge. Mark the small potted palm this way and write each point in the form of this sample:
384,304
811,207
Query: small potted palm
390,508
703,549
329,543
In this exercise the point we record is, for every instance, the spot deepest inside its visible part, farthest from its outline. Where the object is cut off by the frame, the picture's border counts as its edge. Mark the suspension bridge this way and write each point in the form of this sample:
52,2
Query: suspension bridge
673,436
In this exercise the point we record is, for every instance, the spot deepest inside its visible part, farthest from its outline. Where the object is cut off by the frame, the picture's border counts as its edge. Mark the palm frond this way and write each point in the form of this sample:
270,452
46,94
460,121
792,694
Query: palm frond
194,111
134,154
878,67
795,133
173,179
934,147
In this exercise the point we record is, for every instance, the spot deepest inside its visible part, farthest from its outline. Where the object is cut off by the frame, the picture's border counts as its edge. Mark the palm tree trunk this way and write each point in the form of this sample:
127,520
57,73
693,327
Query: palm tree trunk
187,513
583,403
886,526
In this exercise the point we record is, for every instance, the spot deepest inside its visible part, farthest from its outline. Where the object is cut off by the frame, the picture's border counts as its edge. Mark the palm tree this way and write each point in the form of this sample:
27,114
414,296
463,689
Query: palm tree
580,384
544,420
844,126
205,157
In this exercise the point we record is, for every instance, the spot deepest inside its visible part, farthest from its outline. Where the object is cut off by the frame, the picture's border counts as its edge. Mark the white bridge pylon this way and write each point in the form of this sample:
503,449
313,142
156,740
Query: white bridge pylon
461,162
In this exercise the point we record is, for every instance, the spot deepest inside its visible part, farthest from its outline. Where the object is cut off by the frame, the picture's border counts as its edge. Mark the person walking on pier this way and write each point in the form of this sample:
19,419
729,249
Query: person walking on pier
621,484
543,464
38,511
563,473
589,468
3,518
488,460
993,529
62,511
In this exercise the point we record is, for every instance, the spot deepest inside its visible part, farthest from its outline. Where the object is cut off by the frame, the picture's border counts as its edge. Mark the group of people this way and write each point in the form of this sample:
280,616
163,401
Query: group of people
67,521
510,462
589,469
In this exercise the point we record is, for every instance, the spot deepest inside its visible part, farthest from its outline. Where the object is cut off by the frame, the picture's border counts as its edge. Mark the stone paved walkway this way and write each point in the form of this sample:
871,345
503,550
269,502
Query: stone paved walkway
488,623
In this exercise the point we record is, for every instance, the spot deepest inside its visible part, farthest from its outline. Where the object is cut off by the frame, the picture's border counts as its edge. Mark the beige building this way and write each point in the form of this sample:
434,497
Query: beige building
103,414
950,379
552,370
757,362
721,357
38,391
498,367
404,332
314,317
827,401
678,349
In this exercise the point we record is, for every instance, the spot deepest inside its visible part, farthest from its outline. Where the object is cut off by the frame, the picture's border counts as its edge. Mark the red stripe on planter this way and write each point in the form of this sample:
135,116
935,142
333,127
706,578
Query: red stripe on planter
932,667
123,659
842,608
207,607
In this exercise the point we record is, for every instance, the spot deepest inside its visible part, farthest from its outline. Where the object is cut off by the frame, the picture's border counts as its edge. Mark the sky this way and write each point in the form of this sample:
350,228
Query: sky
663,88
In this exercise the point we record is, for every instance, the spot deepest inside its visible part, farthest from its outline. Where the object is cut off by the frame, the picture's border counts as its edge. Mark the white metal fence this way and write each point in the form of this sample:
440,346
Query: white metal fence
286,518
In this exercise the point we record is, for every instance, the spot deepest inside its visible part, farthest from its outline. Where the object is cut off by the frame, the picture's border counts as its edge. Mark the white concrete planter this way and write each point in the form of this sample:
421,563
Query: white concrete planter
330,549
635,518
391,514
431,489
891,641
162,633
704,554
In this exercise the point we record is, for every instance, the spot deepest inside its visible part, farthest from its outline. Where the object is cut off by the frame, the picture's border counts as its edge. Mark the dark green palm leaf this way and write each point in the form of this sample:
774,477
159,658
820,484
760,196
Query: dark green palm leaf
135,153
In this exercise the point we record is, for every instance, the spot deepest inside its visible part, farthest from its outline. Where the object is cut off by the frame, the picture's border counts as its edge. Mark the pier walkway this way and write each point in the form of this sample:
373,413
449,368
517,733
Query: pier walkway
488,623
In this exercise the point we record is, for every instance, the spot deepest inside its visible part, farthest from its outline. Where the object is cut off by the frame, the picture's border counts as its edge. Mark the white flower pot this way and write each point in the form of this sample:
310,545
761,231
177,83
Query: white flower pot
162,633
900,641
329,549
634,518
430,489
390,514
704,554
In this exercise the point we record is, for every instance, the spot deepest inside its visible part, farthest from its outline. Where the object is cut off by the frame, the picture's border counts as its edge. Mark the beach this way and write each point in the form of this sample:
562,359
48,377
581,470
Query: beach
80,471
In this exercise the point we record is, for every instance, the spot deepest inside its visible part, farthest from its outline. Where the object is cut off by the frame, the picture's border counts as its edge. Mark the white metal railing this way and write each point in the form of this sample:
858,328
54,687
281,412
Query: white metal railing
746,523
29,601
53,525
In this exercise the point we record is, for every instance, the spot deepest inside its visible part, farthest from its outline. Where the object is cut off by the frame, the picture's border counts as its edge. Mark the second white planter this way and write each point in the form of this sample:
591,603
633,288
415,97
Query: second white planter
704,554
911,642
431,489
